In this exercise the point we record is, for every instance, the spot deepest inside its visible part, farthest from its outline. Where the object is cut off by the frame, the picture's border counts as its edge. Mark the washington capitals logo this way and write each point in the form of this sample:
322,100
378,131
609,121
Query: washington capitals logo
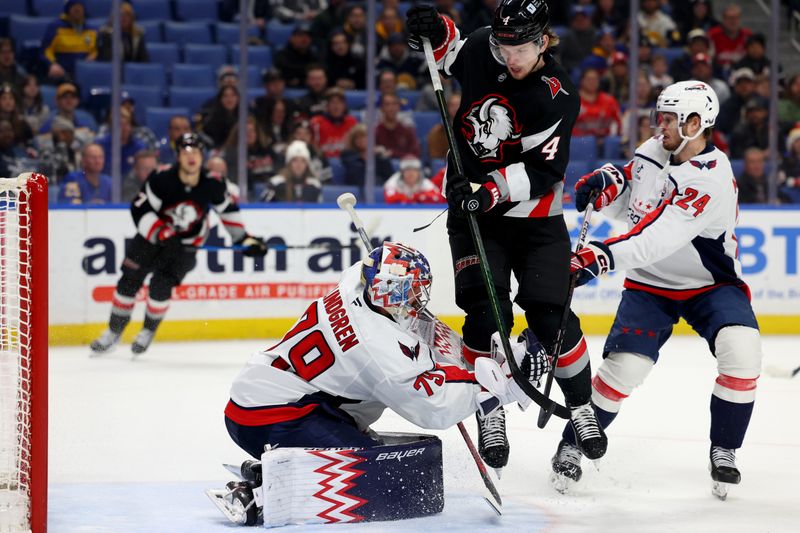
489,125
555,86
704,164
411,353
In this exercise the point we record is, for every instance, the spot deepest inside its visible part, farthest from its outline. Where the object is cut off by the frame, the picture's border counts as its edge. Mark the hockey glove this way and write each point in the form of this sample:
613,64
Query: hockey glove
466,197
497,381
253,246
607,181
591,261
536,363
425,21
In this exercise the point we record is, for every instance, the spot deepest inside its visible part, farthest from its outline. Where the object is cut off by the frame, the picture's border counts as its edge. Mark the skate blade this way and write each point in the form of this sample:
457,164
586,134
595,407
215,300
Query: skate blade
561,483
94,354
720,489
217,496
234,469
597,463
498,472
494,505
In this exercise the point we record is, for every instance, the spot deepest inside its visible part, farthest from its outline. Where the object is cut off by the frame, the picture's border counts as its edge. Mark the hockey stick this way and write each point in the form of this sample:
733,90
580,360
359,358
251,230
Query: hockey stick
276,247
778,372
544,414
347,202
520,378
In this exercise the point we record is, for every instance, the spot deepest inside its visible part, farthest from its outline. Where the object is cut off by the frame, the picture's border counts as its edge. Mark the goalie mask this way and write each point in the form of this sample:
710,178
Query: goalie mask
397,278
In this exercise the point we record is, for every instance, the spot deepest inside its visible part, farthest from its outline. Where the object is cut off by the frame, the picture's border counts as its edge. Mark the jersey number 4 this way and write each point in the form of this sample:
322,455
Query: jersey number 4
689,200
311,355
551,148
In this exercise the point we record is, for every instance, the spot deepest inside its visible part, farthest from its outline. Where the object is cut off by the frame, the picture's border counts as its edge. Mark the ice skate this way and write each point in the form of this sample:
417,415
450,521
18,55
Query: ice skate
237,502
105,343
492,440
591,438
566,467
723,471
142,341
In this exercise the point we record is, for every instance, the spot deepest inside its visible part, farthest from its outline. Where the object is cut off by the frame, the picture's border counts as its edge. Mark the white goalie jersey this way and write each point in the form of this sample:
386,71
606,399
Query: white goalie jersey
342,352
680,240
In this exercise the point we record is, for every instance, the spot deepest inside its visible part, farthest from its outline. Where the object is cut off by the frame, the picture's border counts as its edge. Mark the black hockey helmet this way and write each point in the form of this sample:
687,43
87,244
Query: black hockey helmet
519,21
189,140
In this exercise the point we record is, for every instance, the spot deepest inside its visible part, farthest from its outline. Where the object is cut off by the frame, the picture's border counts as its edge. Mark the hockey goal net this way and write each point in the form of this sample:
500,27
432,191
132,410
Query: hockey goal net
23,353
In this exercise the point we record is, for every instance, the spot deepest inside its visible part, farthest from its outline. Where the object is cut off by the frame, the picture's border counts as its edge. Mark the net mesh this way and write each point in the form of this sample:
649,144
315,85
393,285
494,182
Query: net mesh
15,363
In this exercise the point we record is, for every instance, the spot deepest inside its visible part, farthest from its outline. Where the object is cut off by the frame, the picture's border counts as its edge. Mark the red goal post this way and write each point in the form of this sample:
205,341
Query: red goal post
23,353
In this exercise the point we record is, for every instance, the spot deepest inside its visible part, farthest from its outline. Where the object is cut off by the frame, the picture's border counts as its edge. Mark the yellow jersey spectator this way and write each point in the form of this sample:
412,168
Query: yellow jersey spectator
68,40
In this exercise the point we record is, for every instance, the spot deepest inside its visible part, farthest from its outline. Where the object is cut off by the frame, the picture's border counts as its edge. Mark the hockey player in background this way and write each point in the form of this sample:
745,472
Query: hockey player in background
512,130
171,218
367,345
679,198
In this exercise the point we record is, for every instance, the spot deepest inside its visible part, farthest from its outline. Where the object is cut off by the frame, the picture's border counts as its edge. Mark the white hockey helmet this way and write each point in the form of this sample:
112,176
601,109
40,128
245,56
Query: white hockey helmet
687,97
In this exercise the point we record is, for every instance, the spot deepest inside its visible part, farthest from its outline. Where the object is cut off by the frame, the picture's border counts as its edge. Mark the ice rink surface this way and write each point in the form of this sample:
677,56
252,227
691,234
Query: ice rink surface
134,444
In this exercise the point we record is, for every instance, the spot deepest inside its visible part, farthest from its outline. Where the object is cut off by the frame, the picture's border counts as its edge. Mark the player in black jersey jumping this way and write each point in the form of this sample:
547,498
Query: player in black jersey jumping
512,130
171,217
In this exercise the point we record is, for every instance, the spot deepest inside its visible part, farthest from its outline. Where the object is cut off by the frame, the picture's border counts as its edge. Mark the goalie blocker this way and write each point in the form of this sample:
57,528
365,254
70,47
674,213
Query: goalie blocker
400,479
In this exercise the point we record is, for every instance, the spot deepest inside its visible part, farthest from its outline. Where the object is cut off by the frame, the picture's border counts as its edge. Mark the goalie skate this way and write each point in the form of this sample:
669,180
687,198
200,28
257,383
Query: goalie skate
105,343
237,501
566,465
723,471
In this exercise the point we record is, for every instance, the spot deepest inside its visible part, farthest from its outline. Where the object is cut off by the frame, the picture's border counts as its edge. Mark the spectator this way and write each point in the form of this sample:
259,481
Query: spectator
354,159
67,40
278,125
60,150
600,113
729,38
579,39
703,70
753,131
789,105
763,86
274,88
697,43
395,56
616,81
753,181
134,48
178,125
320,167
605,45
218,168
227,76
289,11
409,186
659,77
10,72
398,140
327,20
437,138
67,101
387,84
699,17
260,156
89,185
11,150
330,128
645,103
144,163
129,144
33,106
10,110
789,171
313,102
142,133
343,69
657,25
730,112
610,14
225,113
355,26
388,23
295,182
755,55
296,56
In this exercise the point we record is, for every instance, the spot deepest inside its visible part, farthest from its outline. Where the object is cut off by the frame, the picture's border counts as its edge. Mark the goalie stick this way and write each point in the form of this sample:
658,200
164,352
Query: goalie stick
347,202
519,377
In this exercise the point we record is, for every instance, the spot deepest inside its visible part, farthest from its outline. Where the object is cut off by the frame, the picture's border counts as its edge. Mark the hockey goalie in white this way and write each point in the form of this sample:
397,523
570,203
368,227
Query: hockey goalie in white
679,198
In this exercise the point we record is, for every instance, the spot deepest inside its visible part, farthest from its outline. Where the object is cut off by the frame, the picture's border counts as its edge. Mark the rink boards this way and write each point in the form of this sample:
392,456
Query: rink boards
229,296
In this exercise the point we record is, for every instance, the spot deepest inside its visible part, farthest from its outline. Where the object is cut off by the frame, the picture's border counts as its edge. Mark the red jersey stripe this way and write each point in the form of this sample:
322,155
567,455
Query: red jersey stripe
542,209
267,415
454,373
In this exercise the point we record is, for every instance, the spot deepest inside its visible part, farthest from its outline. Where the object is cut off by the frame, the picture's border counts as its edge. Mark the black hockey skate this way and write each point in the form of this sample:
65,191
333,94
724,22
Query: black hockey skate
106,342
142,341
566,467
589,435
493,444
723,471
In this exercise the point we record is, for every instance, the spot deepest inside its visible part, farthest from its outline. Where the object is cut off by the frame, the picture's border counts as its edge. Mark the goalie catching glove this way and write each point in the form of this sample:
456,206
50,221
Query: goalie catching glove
253,246
494,374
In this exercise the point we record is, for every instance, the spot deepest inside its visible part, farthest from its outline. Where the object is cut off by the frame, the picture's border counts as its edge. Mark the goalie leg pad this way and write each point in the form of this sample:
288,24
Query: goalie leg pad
402,479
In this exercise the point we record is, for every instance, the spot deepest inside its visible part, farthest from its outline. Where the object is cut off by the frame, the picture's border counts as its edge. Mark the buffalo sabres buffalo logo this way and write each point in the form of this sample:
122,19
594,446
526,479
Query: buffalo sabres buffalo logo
183,216
411,353
490,124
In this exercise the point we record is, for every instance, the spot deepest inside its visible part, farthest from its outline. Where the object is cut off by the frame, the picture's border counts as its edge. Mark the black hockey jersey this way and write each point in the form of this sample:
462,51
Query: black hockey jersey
517,131
165,201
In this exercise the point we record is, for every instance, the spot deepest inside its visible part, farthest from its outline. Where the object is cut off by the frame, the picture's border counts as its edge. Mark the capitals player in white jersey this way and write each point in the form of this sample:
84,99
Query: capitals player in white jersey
679,198
367,345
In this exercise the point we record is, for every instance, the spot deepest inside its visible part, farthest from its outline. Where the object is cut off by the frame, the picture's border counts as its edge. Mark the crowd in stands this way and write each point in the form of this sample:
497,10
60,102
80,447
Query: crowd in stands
306,138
